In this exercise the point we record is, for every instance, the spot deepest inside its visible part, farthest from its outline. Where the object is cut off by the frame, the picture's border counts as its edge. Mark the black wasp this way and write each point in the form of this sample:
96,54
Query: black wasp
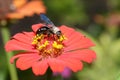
49,27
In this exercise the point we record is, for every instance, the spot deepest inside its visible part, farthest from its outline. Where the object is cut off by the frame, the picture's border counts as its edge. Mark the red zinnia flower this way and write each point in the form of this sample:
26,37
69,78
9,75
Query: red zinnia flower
26,8
18,9
43,51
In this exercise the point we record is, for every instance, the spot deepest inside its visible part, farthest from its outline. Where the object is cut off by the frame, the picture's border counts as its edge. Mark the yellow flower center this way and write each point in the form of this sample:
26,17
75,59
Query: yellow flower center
49,45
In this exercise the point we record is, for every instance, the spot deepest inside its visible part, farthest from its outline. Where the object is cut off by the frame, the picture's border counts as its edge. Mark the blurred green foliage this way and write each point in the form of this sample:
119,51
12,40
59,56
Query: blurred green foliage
69,12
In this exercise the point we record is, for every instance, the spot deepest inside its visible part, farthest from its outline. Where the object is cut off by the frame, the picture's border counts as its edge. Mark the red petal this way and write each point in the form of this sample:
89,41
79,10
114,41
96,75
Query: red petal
26,61
85,55
72,63
79,45
75,40
21,55
66,30
29,34
16,45
25,37
56,65
78,42
39,68
75,35
36,27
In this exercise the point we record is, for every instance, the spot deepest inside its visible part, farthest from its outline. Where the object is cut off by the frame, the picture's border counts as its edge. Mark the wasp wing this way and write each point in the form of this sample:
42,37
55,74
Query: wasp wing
46,20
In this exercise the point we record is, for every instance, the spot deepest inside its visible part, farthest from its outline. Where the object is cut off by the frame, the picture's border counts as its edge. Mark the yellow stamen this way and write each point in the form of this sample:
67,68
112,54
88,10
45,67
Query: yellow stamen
36,38
44,45
62,37
49,45
57,46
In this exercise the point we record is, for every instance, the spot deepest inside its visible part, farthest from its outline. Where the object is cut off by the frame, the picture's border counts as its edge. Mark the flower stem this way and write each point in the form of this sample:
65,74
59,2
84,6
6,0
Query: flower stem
12,69
49,74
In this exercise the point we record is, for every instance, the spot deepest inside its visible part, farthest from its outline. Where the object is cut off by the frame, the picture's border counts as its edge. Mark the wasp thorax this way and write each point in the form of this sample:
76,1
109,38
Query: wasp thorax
44,30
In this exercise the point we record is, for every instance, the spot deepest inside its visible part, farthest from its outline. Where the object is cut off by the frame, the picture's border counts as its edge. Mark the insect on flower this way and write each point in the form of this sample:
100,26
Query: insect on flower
44,48
49,27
